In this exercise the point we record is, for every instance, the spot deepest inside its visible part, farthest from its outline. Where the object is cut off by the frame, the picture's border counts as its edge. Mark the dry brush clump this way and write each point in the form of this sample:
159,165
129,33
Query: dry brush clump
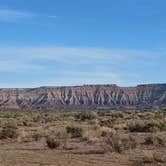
107,123
52,142
37,136
156,139
9,130
86,115
74,131
119,143
58,139
91,133
106,131
150,158
147,125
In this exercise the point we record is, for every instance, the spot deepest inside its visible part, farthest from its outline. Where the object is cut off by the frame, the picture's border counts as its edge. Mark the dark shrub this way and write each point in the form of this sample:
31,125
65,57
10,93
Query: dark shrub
52,143
9,131
75,131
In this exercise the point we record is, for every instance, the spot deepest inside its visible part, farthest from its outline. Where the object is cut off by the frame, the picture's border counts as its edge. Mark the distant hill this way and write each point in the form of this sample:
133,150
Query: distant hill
86,96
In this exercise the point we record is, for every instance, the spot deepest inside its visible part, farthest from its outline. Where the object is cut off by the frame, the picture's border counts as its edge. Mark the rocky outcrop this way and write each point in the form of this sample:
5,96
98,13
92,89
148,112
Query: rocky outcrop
87,96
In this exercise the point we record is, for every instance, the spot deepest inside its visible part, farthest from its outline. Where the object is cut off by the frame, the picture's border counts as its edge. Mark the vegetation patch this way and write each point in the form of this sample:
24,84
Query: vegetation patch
9,130
86,115
146,125
119,143
156,139
52,143
74,131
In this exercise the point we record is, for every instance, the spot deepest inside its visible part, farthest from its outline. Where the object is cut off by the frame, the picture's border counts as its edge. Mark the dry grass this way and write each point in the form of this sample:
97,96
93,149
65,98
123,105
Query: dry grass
156,139
9,130
151,159
119,143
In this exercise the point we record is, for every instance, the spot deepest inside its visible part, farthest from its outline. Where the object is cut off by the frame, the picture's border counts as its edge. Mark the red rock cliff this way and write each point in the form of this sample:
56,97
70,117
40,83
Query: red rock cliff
87,96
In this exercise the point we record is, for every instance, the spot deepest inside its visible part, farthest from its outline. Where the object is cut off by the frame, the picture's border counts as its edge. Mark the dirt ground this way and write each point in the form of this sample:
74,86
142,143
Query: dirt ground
37,154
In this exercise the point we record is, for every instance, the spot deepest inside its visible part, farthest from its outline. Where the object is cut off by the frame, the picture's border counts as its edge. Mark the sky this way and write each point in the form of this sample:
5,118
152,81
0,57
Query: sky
77,42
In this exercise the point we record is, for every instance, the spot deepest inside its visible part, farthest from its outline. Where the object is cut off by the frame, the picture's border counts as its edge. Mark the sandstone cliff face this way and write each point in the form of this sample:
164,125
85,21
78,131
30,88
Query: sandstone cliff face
88,96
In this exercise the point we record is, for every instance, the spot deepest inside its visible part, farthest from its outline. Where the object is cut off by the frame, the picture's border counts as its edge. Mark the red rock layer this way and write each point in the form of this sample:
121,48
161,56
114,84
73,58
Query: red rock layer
87,96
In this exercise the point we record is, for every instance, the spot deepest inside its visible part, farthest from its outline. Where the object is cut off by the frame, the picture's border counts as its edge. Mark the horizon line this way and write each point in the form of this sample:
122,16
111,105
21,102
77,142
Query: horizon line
83,85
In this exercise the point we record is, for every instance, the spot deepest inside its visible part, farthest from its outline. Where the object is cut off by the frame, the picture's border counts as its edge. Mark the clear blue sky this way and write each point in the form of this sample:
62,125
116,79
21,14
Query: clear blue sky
75,42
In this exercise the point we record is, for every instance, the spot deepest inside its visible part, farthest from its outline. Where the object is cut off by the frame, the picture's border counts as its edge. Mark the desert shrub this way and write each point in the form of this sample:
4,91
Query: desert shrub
117,114
105,131
52,143
93,122
156,139
159,114
120,125
87,115
102,113
147,159
146,125
89,135
75,131
159,157
137,126
119,143
70,118
62,135
106,123
37,136
27,121
150,159
51,117
37,118
9,130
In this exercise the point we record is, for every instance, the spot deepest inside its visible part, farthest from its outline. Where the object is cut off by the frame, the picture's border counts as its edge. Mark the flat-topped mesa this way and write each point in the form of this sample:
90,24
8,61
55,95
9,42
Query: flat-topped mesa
86,96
